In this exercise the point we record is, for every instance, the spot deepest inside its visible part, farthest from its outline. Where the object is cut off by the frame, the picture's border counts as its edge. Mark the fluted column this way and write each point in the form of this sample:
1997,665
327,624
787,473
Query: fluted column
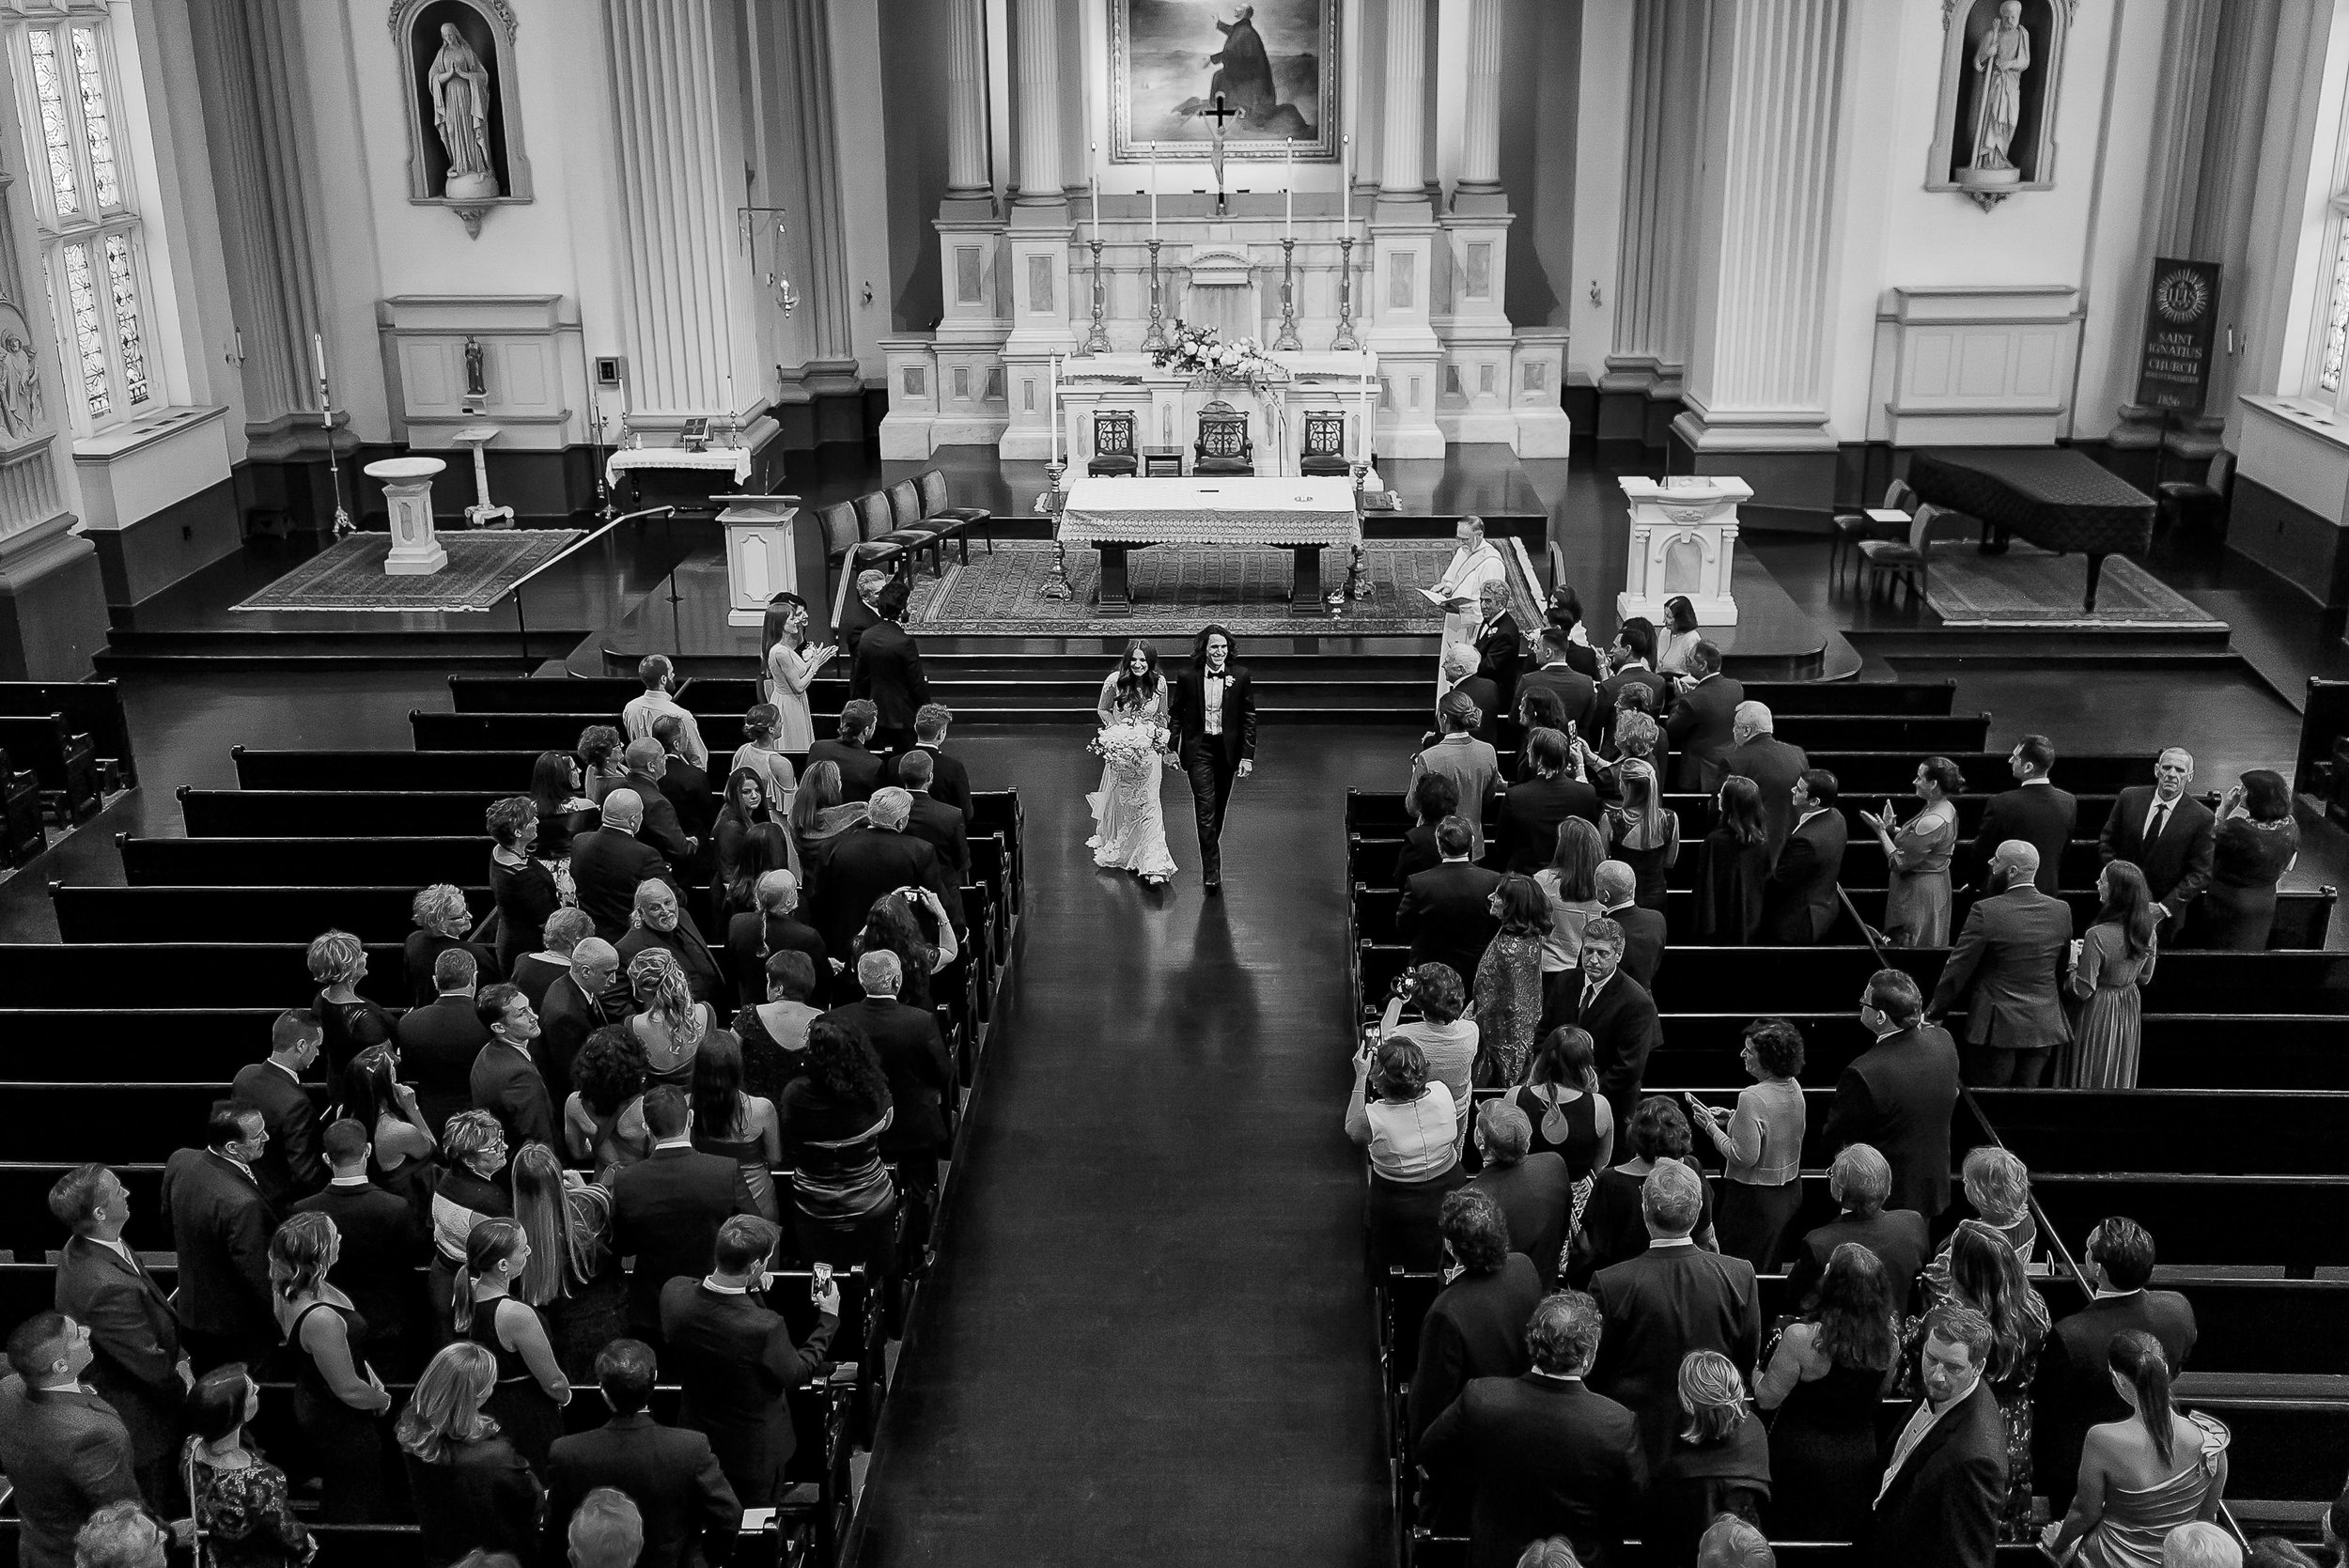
967,174
1404,112
1036,44
1652,276
1479,147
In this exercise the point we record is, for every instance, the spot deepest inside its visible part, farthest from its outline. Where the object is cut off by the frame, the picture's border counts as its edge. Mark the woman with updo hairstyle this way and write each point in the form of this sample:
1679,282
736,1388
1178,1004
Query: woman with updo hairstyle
473,1492
668,1023
531,1390
349,1023
1571,1118
525,887
1448,1041
819,815
401,1145
1916,856
242,1502
843,1204
444,920
602,755
1983,1272
1719,1462
558,792
1827,1379
764,753
339,1402
603,1118
1762,1145
1508,1005
1612,1226
1407,1121
2144,1475
2257,841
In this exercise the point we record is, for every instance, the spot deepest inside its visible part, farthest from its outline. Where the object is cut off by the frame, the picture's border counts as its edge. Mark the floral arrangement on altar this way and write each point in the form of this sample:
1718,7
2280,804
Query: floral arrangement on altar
1198,354
1129,748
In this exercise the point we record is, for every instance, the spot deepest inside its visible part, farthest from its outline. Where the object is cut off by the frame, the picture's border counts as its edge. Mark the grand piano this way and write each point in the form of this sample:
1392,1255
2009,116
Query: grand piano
2053,497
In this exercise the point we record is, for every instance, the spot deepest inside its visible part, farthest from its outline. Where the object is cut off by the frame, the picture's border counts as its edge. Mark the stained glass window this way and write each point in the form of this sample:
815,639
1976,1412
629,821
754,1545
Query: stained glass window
96,129
2337,320
124,284
49,86
89,342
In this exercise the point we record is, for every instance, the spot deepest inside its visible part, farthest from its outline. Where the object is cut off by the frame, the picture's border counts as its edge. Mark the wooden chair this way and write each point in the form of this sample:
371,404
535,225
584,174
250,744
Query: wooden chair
1222,446
937,506
2184,501
907,522
1883,562
1852,527
877,524
845,547
1114,451
1324,453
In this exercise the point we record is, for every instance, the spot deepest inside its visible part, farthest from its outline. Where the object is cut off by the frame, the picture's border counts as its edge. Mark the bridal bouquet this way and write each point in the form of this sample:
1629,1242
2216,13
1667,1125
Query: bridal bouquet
1198,354
1129,748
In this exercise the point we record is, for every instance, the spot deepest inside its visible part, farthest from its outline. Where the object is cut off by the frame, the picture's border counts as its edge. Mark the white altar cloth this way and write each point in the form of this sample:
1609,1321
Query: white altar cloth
736,459
1272,513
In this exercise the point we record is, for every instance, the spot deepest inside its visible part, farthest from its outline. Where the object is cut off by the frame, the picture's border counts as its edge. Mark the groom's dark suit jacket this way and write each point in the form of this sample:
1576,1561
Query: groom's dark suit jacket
1187,714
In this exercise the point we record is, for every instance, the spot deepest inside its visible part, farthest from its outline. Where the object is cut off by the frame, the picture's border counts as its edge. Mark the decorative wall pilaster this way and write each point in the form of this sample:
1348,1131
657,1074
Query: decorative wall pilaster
1035,53
968,177
1653,277
1403,112
1480,142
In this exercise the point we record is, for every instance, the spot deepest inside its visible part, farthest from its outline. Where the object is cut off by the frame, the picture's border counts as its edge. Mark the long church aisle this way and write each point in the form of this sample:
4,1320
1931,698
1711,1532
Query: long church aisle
1148,1337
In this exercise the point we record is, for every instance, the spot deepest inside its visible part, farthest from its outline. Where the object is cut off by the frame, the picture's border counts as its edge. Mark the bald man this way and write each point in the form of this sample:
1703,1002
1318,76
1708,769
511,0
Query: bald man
608,864
2007,968
2167,833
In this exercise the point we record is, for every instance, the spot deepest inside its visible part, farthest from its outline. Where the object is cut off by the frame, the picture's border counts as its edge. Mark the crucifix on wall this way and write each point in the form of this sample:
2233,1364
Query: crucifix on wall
1219,112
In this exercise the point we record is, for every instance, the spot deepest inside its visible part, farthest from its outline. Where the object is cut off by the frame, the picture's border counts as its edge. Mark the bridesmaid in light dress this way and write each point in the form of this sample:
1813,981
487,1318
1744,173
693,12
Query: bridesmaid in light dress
2110,967
1916,856
791,666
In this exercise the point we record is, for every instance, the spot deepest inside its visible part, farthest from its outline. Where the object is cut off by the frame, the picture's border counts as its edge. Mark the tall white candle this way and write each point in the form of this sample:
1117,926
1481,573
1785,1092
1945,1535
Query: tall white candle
1094,174
1288,171
1362,433
318,347
1052,395
1154,196
1346,190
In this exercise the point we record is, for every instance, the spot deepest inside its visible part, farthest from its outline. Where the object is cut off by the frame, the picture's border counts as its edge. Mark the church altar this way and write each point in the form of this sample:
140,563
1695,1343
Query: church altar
1166,404
1301,515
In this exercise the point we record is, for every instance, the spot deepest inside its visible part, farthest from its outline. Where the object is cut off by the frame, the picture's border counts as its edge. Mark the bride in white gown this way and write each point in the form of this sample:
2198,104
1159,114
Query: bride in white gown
1129,822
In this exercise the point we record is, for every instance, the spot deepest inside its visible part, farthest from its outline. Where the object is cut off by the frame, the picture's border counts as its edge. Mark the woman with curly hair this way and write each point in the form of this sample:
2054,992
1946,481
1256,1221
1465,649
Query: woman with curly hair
893,924
1762,1144
1719,1462
603,755
669,1024
558,792
603,1118
1406,1119
444,920
1613,1227
1984,1273
349,1021
1827,1378
525,887
338,1401
1508,1003
571,1276
844,1205
472,1490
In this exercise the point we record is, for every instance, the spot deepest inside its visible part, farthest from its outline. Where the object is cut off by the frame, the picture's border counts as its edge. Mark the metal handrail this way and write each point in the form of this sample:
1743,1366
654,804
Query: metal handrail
578,545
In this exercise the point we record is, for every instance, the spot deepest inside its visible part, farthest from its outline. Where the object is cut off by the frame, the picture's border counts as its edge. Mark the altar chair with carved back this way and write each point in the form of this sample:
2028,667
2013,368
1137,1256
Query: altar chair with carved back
1114,444
1324,453
1222,446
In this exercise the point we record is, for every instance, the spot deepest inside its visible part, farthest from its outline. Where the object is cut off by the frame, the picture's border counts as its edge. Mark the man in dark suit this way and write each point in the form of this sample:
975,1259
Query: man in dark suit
913,1058
933,821
690,1514
437,1044
290,1168
1898,1095
385,1243
950,780
666,1209
886,669
581,999
1673,1299
1703,723
870,862
684,785
1531,813
660,827
1213,715
135,1365
66,1454
1945,1480
2167,833
2034,811
1633,658
734,1358
857,615
1558,672
1542,1455
1772,765
1860,1180
1460,680
1433,797
755,936
2073,1389
850,750
1609,1006
2007,968
1447,912
504,1078
1475,1327
1798,904
221,1225
1500,642
1643,932
608,864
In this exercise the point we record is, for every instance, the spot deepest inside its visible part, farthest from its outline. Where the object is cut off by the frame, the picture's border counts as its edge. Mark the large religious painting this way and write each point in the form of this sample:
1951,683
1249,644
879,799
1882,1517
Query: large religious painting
1273,64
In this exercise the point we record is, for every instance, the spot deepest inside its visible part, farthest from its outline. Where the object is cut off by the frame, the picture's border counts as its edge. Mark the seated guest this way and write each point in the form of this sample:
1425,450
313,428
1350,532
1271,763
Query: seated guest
2143,1476
666,1209
872,862
1799,906
439,1043
1409,1124
1567,1114
444,922
1531,812
536,972
659,921
638,716
476,1185
860,769
1433,798
581,999
1447,912
1642,928
1719,1462
1475,1327
774,1032
64,1449
2255,844
603,1119
1614,1009
844,1205
241,1504
288,1167
338,1398
1445,1039
1736,872
599,750
1945,1483
913,1056
524,889
135,1364
950,780
1535,1191
610,865
820,818
660,827
384,1245
774,927
2074,1389
338,961
1701,726
504,1080
1827,1380
606,1531
670,1473
1613,1226
1860,1182
1542,1455
2200,1543
558,795
1899,1093
937,823
2007,972
121,1535
1762,1145
472,1491
221,1225
1471,764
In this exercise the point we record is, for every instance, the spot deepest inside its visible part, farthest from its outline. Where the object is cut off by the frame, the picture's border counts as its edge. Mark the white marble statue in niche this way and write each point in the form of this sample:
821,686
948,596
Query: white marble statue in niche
459,84
1999,61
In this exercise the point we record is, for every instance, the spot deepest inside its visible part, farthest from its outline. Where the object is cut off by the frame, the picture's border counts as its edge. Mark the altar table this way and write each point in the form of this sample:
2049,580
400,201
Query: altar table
1302,515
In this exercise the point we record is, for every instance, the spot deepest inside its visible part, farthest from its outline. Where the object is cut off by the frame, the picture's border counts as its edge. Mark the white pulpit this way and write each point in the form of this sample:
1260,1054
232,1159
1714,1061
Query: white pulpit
759,560
1684,541
408,491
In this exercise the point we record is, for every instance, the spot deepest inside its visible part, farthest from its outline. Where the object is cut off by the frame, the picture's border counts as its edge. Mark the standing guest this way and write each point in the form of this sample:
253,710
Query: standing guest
765,755
437,1044
243,1506
819,819
2255,844
1561,671
911,1051
1674,1298
524,890
121,1535
606,1531
950,780
1538,709
1533,812
2034,811
2166,833
339,1402
792,663
1762,1144
1773,766
1614,1009
535,972
1703,723
221,1224
443,924
656,702
1945,1484
1500,642
1997,1184
288,1168
1719,1462
2110,965
670,1473
1800,903
558,797
860,769
338,961
1448,1042
1613,1225
935,822
1475,1327
383,1245
2144,1476
1677,638
472,1491
1736,872
659,923
1535,1191
1564,611
1631,662
1916,856
470,1191
739,1125
844,1205
2074,1390
744,813
1860,1180
1471,764
1409,1124
663,825
735,1358
774,926
1563,1106
2200,1543
1641,832
886,668
873,862
603,1119
531,1390
1986,1276
400,1147
1460,589
774,1033
135,1364
1543,1454
581,999
667,1207
1827,1379
1447,912
857,615
569,1276
610,865
1643,929
600,751
1729,1542
2007,968
64,1451
1508,1002
504,1080
1460,680
1433,797
766,848
1899,1094
1570,883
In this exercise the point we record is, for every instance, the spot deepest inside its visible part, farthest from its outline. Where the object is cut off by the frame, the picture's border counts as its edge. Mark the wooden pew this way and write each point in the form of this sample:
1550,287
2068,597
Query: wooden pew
337,813
62,758
543,732
181,974
91,707
2234,1131
258,913
486,772
153,1045
288,862
699,695
2300,1221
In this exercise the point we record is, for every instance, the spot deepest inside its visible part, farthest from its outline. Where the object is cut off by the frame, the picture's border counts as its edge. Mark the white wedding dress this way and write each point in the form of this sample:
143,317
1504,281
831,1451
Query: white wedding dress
1129,819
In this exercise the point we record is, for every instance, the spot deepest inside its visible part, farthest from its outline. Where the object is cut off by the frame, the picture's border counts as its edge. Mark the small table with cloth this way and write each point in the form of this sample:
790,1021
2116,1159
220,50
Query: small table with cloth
1302,515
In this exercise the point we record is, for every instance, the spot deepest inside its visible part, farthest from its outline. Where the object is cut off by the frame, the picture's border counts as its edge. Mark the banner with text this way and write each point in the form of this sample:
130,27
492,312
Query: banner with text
2181,326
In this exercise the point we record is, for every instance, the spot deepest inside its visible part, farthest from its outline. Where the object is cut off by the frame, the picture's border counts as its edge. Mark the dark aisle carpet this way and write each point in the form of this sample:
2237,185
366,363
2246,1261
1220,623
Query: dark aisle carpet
1149,1338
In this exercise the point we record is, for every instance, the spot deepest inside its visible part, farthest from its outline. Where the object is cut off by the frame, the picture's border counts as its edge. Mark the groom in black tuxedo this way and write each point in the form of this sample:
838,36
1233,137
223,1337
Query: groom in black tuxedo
1214,720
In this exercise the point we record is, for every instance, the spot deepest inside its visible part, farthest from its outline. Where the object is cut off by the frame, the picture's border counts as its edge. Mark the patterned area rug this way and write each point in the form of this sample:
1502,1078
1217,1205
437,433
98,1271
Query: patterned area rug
2031,587
1177,586
349,575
